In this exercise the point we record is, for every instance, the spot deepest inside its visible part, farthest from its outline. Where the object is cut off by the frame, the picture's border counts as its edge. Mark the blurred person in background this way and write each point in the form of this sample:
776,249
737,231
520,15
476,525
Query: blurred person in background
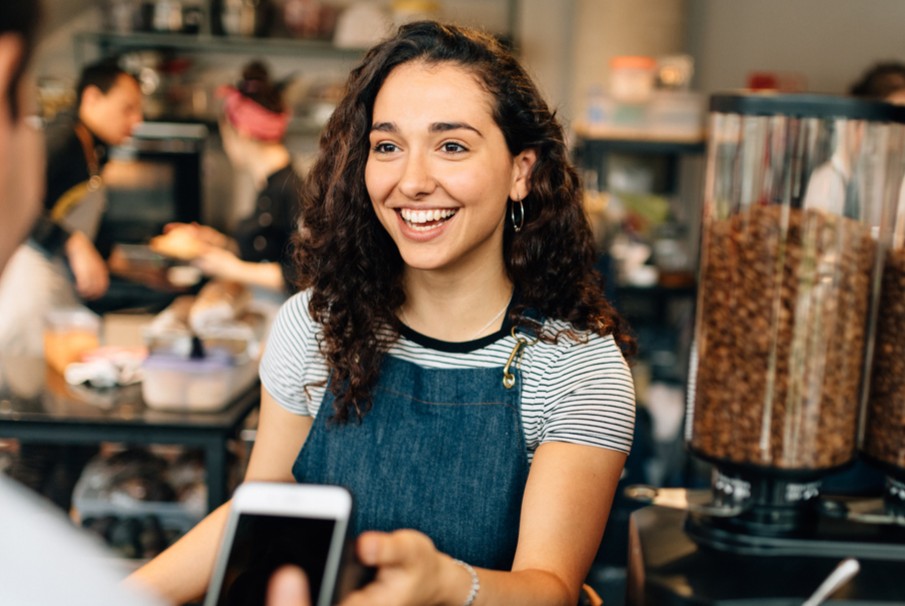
252,126
831,187
43,561
61,263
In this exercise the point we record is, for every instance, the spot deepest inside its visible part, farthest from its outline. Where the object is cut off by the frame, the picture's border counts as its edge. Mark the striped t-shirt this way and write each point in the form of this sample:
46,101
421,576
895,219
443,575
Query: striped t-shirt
575,392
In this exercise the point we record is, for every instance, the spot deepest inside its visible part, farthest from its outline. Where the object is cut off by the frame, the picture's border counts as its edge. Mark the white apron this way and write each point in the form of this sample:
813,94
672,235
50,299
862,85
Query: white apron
34,283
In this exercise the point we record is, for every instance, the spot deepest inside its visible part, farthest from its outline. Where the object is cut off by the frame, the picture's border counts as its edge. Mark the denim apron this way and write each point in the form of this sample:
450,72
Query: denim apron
440,451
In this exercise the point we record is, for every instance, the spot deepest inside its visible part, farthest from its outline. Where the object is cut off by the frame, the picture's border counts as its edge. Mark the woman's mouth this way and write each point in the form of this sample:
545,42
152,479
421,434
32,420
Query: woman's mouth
426,219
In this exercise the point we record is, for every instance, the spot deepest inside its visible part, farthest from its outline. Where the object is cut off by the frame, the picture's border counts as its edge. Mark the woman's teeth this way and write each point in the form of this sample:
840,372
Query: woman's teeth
425,219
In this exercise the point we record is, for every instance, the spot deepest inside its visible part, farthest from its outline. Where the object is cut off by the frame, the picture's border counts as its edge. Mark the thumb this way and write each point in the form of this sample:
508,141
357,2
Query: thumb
288,587
375,549
392,549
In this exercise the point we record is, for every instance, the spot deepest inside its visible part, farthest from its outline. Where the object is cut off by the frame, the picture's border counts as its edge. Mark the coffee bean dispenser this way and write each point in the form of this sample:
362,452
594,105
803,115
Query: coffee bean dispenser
802,272
884,435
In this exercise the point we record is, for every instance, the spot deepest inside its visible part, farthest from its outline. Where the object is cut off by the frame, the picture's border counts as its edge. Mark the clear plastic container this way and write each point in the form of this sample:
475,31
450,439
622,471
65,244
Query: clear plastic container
175,382
799,191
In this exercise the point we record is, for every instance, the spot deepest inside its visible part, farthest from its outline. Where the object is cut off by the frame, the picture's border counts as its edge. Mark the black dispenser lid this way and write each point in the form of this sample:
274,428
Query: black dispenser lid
802,105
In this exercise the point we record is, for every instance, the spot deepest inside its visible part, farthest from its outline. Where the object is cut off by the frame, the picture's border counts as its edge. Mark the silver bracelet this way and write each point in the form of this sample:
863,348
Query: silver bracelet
475,582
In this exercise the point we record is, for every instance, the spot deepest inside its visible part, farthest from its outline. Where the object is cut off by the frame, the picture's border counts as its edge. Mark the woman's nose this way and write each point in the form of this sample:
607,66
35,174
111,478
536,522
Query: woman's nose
416,180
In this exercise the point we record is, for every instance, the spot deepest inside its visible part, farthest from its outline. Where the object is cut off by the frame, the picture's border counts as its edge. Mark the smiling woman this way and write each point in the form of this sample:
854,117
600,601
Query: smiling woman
451,358
439,175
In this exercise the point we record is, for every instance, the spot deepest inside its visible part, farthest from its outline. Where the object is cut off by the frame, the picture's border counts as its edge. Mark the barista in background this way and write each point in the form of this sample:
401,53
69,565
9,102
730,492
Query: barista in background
831,187
61,264
252,127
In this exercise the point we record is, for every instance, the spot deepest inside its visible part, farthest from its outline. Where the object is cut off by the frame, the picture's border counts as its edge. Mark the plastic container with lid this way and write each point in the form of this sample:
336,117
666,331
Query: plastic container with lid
176,382
798,198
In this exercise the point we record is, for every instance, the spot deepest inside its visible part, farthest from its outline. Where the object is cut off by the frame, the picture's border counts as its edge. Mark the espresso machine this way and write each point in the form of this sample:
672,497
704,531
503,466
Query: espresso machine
798,365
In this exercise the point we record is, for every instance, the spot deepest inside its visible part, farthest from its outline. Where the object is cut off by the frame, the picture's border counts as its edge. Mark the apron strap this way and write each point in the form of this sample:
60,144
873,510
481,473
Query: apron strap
525,335
74,195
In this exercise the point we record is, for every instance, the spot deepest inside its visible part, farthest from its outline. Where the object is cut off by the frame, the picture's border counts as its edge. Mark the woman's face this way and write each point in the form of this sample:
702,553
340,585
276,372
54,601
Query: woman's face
439,172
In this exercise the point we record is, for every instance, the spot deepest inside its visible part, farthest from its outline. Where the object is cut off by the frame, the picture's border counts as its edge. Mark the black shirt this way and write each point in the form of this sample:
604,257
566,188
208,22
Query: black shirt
266,235
67,167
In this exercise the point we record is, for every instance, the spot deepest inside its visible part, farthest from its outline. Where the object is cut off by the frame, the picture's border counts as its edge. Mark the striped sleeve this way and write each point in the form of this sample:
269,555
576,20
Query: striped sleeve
291,359
589,396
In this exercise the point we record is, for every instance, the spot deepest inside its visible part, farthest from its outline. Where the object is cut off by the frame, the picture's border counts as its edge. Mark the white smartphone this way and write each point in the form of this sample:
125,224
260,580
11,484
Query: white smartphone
273,524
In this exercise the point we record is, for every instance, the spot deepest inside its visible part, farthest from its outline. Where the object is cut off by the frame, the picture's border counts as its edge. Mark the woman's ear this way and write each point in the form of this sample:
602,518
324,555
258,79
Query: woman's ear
523,163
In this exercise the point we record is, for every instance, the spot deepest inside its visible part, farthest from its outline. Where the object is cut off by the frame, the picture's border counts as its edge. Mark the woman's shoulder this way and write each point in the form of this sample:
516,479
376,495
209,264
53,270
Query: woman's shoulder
570,345
294,314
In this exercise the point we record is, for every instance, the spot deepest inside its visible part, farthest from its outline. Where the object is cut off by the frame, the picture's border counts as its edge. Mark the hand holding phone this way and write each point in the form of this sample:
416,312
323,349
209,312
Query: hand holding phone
271,525
288,587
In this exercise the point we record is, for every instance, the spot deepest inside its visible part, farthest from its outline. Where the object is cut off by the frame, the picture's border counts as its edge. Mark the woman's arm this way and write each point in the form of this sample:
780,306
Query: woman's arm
182,572
223,264
564,511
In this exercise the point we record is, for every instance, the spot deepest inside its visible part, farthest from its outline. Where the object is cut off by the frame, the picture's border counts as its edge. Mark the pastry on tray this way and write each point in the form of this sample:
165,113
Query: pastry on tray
178,244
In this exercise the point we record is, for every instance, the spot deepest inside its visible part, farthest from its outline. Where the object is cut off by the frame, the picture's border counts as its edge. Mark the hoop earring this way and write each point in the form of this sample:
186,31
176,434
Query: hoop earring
518,222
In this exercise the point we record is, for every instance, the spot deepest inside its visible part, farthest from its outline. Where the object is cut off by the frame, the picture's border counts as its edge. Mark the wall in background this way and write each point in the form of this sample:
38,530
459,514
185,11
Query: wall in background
830,42
605,29
545,34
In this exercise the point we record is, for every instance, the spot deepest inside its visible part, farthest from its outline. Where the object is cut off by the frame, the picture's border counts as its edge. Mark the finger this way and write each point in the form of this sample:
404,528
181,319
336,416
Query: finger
171,226
288,587
389,549
370,548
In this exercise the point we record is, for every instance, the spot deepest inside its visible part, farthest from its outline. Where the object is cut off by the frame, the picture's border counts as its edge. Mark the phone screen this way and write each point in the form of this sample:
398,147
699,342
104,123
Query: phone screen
263,543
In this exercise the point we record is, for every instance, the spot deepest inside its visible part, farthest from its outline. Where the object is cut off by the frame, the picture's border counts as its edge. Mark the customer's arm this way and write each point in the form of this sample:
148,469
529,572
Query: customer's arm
182,572
567,500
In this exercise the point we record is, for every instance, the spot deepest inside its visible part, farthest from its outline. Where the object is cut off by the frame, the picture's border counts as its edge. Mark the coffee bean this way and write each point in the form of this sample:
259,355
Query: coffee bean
781,337
884,437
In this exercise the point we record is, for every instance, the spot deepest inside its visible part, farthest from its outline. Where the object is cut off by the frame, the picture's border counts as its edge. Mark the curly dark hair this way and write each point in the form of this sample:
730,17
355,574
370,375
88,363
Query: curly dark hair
354,269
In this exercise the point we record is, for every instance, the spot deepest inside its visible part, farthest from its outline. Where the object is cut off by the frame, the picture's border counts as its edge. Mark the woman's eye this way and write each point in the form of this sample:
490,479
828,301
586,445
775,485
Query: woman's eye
385,148
453,148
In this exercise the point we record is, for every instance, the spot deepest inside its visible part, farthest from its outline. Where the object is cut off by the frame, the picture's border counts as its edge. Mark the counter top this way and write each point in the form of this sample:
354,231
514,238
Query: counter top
37,404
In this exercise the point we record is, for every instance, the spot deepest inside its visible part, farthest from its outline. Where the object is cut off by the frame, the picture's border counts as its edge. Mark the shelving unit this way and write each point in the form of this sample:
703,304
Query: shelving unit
210,39
109,42
650,309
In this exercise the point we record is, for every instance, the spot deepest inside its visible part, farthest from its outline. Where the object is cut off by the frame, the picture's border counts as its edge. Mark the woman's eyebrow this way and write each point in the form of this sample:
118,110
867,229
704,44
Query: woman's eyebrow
440,127
436,127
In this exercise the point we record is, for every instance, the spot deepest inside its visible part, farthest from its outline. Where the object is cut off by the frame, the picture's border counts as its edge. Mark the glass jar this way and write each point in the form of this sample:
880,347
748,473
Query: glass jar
798,200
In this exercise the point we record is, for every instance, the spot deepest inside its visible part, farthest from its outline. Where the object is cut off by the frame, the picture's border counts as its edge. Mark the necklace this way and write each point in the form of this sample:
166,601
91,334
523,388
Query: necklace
480,331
